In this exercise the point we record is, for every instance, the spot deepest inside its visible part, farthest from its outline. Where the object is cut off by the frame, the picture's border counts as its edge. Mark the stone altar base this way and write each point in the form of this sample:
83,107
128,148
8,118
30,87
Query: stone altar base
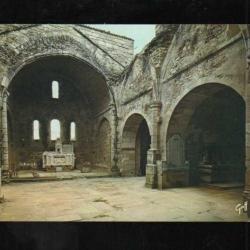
59,169
173,178
170,177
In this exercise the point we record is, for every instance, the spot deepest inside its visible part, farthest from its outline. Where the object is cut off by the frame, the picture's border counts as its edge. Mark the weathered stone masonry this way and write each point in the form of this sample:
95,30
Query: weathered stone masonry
188,89
172,84
32,57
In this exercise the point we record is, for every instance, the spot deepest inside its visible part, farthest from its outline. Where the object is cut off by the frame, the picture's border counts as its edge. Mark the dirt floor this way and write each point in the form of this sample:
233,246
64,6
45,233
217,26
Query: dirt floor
116,199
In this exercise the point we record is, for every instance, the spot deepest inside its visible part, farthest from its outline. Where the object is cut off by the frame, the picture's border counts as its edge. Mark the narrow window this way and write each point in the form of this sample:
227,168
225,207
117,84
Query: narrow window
55,89
72,131
55,129
36,134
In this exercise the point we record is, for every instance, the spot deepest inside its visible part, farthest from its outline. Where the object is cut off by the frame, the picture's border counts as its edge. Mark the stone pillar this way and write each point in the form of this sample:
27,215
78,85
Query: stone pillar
114,142
153,152
4,133
1,183
246,193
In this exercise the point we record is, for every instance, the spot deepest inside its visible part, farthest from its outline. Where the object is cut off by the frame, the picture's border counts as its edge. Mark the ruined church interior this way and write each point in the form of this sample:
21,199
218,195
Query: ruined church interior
92,131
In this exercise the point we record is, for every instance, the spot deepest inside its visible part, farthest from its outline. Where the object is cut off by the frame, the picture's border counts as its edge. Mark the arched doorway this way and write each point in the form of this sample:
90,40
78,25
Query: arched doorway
81,92
210,121
135,144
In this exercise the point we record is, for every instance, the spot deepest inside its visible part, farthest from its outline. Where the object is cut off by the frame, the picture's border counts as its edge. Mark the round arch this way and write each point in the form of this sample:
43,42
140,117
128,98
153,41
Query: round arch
167,113
14,70
136,112
209,122
135,144
29,81
100,121
63,43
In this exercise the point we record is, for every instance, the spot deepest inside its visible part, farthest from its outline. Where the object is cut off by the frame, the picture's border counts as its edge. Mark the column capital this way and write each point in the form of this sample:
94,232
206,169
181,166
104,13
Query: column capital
4,92
113,109
112,105
156,104
111,81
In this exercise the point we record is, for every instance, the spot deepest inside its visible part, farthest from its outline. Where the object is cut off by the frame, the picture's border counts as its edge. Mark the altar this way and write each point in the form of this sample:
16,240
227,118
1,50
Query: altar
63,158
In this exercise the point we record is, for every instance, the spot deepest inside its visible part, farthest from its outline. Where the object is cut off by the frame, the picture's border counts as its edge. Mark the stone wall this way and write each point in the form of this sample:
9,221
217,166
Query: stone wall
104,57
36,104
103,145
119,47
198,56
164,28
19,44
178,60
221,62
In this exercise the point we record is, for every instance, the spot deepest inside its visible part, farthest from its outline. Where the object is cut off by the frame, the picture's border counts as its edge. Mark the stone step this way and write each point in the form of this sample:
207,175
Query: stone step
229,185
57,178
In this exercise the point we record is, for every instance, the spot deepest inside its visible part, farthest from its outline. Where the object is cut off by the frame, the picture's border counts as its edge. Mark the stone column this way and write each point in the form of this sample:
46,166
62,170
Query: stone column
246,193
4,133
114,141
1,183
154,152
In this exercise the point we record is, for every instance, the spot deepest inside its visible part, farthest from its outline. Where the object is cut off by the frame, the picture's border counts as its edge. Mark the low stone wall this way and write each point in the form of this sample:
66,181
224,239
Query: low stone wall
171,177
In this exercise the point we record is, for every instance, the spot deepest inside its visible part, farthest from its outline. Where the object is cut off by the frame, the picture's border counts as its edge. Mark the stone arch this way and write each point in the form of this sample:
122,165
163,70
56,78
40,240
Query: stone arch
100,120
31,65
210,119
17,51
135,144
169,110
136,112
15,69
16,55
103,145
192,88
